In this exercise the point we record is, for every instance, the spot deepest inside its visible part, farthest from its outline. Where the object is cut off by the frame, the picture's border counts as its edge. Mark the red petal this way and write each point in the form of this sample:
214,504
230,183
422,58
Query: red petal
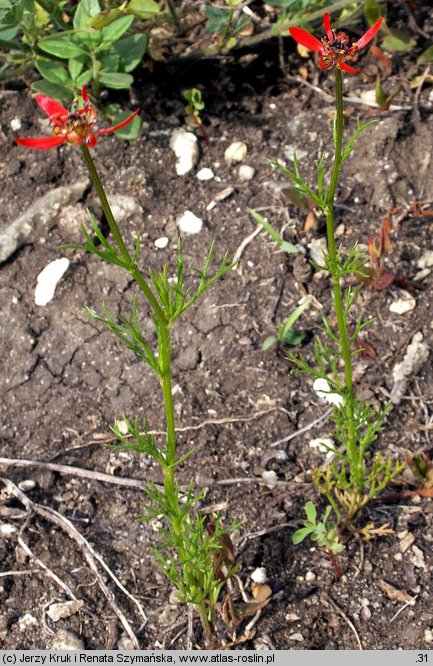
107,130
348,68
303,37
327,26
84,94
368,36
44,143
90,141
50,106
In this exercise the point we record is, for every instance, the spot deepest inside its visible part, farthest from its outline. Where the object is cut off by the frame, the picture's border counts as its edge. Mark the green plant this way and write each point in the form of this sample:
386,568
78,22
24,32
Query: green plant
193,108
351,480
188,548
286,334
71,46
283,245
324,532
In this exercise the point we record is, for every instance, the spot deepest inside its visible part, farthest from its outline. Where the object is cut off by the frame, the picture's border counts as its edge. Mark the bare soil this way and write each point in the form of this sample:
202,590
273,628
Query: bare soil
65,379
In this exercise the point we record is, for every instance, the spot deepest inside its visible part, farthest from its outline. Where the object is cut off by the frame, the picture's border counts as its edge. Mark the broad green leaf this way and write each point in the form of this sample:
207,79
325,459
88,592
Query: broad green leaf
85,9
294,316
6,35
51,71
301,534
132,130
216,19
143,9
395,40
84,78
61,48
426,56
75,67
116,80
61,93
110,62
115,30
5,4
131,50
311,512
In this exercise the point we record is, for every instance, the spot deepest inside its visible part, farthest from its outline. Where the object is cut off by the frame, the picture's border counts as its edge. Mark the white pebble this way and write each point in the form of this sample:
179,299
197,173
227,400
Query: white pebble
48,280
162,242
310,576
246,172
296,637
6,529
322,444
26,485
65,609
189,223
323,390
428,636
259,575
205,174
426,259
236,152
270,477
16,124
185,147
27,621
404,304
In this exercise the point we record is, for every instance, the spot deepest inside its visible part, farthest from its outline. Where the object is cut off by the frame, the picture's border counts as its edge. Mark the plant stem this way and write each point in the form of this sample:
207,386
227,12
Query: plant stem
173,11
340,311
118,237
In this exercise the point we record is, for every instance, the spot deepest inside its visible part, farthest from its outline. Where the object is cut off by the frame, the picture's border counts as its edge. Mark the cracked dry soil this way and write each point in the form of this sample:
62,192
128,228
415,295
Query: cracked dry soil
64,379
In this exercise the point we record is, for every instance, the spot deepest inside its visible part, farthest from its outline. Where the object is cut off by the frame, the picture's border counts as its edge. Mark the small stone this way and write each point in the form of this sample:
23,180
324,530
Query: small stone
428,636
270,477
161,243
292,617
340,230
246,172
323,390
7,530
205,174
296,637
48,280
26,485
406,303
421,275
425,260
66,640
259,575
406,542
124,207
322,444
174,597
236,152
125,643
16,124
365,613
189,223
310,576
60,611
27,621
185,147
317,247
417,558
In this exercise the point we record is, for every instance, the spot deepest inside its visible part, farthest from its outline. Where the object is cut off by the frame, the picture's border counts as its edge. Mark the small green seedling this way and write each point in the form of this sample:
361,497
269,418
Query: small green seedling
324,532
193,108
284,246
286,334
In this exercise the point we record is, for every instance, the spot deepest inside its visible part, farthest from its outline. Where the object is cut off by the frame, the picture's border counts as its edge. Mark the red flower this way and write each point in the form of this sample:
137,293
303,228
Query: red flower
77,126
335,49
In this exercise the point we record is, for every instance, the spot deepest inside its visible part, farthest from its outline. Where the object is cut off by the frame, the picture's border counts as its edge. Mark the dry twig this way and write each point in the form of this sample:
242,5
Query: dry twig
87,550
349,623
